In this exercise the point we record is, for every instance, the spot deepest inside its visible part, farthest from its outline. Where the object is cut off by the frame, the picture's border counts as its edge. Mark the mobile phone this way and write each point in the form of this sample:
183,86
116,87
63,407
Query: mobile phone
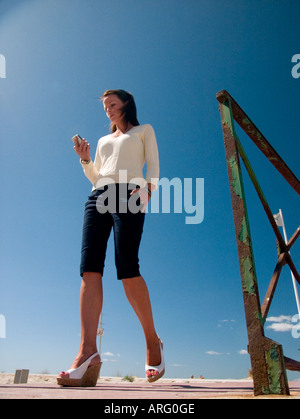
77,138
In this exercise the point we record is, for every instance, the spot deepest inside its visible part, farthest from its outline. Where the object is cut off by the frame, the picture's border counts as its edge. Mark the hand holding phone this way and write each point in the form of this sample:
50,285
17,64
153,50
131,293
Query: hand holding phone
77,139
81,147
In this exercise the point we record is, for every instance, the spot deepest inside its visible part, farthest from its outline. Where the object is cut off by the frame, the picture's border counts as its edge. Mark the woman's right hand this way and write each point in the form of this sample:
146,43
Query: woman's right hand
83,150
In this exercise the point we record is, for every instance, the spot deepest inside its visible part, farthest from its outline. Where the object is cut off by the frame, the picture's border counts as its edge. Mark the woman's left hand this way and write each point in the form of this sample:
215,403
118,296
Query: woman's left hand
144,196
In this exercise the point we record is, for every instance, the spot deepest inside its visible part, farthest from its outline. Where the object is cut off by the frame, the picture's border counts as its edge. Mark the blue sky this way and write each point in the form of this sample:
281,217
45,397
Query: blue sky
174,56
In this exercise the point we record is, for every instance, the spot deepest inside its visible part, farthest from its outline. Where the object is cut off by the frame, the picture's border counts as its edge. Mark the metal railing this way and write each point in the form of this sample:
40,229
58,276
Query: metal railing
267,360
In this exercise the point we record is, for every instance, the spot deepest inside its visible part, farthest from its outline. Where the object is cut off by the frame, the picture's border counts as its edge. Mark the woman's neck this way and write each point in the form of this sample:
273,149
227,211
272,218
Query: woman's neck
122,128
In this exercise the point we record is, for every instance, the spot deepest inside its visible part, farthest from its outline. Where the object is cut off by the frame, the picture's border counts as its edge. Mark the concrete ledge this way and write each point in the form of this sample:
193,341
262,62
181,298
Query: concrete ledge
108,388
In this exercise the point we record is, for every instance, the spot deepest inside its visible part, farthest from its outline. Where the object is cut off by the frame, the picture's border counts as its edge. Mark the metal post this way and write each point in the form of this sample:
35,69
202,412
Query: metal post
100,332
267,359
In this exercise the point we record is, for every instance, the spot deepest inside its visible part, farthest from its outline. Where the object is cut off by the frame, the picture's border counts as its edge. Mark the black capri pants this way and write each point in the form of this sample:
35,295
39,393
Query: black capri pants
112,207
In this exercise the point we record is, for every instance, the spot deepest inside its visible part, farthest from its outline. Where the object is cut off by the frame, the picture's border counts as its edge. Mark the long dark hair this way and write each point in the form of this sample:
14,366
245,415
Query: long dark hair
129,109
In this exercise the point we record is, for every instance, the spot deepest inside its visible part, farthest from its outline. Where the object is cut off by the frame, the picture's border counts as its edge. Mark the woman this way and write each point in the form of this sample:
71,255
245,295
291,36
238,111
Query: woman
122,152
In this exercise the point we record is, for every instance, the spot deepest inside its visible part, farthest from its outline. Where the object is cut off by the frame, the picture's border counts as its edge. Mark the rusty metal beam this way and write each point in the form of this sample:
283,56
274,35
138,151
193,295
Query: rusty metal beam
272,287
292,267
291,364
293,239
259,140
268,362
268,368
284,258
281,242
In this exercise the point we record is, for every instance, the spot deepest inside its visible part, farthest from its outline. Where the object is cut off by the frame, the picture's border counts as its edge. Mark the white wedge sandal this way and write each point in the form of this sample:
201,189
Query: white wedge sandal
160,369
83,376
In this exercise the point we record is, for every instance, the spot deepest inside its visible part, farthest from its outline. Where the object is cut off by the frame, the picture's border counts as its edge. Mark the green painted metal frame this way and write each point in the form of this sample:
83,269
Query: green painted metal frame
267,359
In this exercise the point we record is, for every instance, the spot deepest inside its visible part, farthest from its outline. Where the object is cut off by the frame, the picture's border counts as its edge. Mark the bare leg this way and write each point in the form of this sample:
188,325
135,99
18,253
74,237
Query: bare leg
91,299
137,294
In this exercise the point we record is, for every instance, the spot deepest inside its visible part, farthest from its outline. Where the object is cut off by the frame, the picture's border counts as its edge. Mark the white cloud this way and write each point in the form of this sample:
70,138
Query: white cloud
243,352
280,323
177,365
108,354
111,356
281,327
279,319
213,353
224,321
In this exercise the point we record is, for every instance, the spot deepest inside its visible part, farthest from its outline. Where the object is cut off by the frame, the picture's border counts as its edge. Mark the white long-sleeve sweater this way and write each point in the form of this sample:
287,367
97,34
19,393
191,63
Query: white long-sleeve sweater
121,159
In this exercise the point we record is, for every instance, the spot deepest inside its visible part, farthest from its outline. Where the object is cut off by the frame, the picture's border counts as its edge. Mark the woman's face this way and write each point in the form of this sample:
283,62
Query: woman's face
113,106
